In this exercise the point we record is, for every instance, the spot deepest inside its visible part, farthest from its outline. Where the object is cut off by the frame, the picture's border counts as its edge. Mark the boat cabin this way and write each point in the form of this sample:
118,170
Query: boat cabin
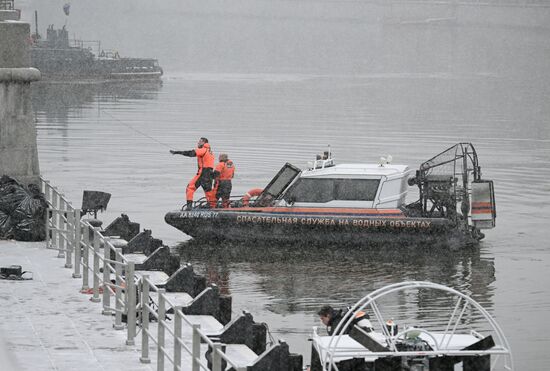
325,184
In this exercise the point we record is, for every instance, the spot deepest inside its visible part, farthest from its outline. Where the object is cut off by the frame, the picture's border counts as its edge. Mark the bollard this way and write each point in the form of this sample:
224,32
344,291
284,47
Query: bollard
196,347
86,257
77,244
161,322
95,298
118,290
177,338
130,304
145,320
106,277
69,236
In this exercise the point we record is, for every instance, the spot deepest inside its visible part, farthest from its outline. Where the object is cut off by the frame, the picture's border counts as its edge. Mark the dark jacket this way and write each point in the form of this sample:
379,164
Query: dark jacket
337,316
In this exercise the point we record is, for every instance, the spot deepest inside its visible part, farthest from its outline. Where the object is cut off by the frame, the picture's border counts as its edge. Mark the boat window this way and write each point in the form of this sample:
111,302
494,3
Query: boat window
284,178
278,184
312,190
325,190
355,189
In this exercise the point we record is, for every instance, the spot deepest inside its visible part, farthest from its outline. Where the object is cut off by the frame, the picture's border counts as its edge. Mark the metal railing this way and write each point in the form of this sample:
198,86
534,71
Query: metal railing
92,255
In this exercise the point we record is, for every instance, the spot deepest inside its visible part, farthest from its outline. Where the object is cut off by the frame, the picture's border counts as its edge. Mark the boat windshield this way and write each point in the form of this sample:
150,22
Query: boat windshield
331,189
278,184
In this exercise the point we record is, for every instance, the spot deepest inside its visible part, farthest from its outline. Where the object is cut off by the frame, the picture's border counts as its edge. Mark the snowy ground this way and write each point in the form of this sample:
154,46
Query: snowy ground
47,324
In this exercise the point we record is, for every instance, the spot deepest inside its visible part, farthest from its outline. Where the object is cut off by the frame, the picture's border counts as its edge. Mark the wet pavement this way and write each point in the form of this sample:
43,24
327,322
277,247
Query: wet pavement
47,324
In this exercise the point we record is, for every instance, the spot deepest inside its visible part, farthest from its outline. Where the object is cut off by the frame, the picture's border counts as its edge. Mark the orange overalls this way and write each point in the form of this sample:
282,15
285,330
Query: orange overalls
225,170
204,177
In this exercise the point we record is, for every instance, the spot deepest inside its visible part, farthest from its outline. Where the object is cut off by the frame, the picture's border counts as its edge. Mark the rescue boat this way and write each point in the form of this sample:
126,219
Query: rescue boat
356,203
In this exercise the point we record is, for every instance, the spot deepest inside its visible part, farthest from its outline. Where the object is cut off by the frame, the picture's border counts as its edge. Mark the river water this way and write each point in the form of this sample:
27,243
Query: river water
116,138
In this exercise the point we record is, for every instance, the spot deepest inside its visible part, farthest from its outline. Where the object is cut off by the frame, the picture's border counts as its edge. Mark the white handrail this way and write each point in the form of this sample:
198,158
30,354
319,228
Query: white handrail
332,349
77,240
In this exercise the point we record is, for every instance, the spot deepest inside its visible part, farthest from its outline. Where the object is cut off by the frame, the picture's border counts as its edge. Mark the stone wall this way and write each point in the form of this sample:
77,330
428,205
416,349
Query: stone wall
18,149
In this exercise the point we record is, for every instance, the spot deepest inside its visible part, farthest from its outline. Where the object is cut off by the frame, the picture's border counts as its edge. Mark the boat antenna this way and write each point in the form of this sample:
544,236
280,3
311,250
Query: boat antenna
36,23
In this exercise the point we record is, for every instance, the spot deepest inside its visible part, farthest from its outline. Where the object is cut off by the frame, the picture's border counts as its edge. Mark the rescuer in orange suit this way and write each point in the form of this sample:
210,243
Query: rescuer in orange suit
223,174
205,173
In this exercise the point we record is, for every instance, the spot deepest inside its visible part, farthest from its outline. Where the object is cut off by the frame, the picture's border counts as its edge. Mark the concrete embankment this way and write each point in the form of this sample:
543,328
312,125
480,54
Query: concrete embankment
18,151
47,324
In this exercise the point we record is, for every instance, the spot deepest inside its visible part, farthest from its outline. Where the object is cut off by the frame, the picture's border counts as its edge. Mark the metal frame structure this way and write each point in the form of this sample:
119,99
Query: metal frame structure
90,254
501,348
445,184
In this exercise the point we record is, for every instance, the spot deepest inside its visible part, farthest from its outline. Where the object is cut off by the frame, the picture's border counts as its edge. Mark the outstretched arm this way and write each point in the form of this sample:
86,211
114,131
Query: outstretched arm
190,153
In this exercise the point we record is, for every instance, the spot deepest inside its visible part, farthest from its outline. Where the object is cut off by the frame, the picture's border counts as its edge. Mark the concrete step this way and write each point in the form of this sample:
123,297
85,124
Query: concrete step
175,299
242,355
158,278
137,258
209,325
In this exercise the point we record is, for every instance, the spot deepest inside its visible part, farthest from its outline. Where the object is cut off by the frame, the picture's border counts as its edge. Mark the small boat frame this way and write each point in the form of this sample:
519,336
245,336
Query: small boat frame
446,348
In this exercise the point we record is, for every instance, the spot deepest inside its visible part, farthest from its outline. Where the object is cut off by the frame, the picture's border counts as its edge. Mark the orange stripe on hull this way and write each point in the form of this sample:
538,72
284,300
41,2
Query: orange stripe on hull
482,211
318,210
481,204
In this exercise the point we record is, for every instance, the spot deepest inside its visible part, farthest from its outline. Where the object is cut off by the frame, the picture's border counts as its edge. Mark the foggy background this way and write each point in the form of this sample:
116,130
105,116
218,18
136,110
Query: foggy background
314,36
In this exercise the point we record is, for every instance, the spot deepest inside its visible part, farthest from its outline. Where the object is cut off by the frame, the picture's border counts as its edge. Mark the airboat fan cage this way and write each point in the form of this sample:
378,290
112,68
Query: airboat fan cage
445,185
454,161
331,352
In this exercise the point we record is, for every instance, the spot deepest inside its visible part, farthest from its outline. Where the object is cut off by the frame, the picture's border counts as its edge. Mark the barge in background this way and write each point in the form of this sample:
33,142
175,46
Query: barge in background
358,204
60,60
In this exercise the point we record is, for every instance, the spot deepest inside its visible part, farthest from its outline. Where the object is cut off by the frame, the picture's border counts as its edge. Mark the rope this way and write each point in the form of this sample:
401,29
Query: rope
271,338
136,130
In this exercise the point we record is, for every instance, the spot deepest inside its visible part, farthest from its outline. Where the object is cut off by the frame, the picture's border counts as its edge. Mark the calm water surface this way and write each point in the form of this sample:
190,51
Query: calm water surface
116,139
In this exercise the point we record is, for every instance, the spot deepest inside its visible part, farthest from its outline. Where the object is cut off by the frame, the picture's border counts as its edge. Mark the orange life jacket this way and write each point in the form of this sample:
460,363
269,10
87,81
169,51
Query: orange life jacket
205,157
226,170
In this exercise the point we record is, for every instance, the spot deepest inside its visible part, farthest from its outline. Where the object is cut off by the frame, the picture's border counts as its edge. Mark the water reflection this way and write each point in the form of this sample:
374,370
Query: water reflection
59,102
299,279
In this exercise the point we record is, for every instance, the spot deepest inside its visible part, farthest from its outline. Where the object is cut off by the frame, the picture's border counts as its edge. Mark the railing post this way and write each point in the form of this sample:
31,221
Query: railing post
55,220
77,244
177,338
49,215
95,298
45,190
130,303
196,347
106,277
160,337
216,357
43,187
61,226
69,236
118,290
86,257
145,320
